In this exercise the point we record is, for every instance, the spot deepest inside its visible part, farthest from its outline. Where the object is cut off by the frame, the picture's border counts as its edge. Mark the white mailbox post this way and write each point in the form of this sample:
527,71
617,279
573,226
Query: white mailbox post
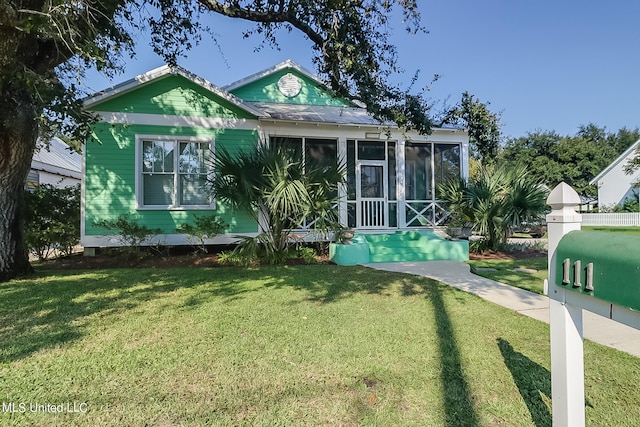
567,353
598,272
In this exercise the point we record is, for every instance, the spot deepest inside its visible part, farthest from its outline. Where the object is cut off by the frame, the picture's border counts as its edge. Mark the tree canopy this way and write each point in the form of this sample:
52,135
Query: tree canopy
482,124
573,159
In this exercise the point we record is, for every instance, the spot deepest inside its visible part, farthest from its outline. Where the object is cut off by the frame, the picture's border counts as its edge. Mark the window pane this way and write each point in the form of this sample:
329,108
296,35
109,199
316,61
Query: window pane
157,156
193,190
372,181
148,156
158,189
418,172
193,156
287,143
321,150
168,147
446,162
371,150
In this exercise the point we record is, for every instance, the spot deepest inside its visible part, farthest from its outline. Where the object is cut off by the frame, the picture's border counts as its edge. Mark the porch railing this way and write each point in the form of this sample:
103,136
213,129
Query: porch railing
377,214
307,223
425,213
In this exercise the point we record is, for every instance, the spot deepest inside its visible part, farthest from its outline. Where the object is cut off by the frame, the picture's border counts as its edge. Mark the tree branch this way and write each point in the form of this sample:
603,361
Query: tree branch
236,11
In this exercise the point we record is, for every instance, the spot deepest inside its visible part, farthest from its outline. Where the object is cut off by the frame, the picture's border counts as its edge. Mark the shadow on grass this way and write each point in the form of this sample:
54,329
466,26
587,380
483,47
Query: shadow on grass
459,406
50,309
458,400
531,380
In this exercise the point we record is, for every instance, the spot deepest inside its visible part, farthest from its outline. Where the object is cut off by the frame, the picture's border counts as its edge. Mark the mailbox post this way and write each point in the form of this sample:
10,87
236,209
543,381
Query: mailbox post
567,352
598,272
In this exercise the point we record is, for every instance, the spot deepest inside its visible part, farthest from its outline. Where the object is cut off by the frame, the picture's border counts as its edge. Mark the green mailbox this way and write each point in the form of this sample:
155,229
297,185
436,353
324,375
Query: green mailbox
603,265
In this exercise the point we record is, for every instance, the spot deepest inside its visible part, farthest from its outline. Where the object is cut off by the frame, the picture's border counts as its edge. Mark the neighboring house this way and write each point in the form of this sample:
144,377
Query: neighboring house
614,185
158,130
55,164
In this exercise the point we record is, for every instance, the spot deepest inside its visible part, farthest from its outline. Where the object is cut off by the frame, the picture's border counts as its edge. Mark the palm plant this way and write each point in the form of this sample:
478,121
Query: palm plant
279,191
496,200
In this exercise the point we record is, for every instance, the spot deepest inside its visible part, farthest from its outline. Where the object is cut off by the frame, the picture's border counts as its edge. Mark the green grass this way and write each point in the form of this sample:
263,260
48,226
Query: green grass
289,346
504,273
625,230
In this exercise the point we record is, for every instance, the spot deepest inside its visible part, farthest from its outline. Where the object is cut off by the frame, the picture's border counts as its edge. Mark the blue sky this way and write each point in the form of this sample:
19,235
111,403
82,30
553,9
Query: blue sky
550,65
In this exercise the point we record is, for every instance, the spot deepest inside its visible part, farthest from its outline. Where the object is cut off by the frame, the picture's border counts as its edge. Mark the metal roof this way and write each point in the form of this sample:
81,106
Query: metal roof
318,114
57,158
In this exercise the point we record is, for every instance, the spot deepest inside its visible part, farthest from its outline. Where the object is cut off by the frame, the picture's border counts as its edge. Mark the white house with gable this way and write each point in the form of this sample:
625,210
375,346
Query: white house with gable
614,185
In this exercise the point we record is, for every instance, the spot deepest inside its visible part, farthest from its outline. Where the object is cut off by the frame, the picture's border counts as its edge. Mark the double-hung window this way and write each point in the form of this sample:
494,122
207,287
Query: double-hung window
172,172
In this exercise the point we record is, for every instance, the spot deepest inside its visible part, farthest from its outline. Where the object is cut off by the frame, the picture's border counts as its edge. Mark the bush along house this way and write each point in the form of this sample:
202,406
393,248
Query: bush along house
158,131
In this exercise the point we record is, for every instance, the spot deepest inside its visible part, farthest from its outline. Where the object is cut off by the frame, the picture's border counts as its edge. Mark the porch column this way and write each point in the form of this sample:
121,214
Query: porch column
400,181
464,160
342,188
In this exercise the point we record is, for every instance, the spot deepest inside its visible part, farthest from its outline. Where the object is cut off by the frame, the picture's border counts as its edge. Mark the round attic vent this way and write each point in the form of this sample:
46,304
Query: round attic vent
289,85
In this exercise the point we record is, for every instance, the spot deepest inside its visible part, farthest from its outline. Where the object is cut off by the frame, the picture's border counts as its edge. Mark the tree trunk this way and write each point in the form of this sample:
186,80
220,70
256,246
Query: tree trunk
18,135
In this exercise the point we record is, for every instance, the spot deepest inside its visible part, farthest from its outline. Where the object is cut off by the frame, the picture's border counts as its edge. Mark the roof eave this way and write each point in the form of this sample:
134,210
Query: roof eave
613,164
127,86
165,71
281,66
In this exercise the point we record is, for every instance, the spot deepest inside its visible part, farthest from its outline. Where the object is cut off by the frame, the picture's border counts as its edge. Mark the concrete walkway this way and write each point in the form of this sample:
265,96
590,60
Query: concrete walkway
458,274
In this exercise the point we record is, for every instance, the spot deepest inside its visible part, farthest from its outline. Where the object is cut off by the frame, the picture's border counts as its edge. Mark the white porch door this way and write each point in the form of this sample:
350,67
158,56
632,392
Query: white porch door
371,194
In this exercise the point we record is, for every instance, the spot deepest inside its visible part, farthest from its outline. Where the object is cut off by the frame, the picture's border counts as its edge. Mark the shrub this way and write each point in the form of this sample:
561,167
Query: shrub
131,234
280,191
52,220
206,227
496,200
234,258
629,205
307,254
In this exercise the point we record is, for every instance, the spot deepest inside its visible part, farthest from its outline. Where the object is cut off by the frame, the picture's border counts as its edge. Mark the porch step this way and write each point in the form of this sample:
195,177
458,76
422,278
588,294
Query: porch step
398,236
415,246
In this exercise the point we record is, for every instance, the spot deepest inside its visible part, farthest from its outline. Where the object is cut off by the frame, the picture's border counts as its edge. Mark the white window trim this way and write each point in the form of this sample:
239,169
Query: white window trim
138,171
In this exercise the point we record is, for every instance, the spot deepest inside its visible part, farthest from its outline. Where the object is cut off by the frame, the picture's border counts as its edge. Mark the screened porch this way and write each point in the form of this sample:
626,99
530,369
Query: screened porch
390,184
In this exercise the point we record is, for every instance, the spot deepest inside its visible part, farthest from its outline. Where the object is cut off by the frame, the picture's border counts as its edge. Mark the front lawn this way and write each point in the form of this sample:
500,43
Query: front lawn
304,345
505,272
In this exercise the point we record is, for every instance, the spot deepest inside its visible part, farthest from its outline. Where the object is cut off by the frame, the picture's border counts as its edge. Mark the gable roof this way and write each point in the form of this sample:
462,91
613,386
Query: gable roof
281,66
57,158
352,113
289,65
162,72
615,163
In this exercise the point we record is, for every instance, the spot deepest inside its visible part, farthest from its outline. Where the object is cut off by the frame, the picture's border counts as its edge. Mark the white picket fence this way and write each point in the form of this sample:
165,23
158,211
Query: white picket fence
611,219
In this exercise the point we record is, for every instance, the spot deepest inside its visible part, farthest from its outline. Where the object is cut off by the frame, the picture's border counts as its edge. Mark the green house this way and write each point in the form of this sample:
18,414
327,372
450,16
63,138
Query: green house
158,132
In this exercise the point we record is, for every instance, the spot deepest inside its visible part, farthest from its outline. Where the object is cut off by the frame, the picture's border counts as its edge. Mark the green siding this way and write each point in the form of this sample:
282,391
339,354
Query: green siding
173,95
110,178
266,90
